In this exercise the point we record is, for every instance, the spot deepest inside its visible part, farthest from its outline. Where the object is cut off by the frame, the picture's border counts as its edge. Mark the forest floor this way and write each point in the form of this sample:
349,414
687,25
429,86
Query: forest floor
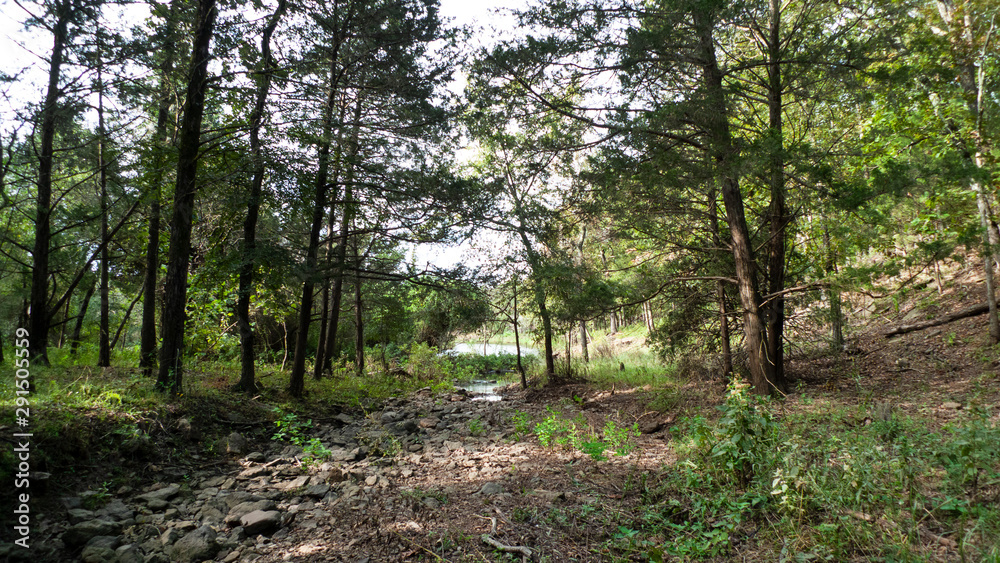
572,471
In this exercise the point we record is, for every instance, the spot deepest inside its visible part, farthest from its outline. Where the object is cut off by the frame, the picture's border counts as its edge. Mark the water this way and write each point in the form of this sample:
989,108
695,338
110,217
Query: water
484,390
490,349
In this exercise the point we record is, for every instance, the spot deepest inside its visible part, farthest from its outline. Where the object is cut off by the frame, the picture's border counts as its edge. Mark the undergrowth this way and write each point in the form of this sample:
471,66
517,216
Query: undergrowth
813,486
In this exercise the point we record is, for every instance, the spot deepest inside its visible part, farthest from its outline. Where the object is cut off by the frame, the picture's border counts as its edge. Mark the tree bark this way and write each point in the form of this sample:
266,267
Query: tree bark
104,342
175,285
38,328
517,338
75,338
778,213
247,382
340,259
359,318
724,154
296,382
147,337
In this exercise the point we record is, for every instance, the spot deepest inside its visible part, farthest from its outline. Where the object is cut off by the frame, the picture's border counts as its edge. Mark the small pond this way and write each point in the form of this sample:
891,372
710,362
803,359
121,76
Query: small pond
483,389
489,349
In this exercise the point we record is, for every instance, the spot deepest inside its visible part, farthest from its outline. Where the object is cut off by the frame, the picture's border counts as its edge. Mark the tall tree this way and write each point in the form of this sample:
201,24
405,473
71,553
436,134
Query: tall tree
247,381
175,285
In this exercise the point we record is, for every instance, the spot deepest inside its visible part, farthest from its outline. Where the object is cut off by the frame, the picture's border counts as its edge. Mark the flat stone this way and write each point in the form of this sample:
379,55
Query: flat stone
244,508
77,515
110,542
197,545
950,405
341,454
317,491
261,522
491,489
428,422
97,554
251,472
117,510
452,445
79,534
160,494
157,504
128,554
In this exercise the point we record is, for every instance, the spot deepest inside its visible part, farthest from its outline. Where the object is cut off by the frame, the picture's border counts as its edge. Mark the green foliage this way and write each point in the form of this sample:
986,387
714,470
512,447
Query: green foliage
556,430
970,458
289,427
314,452
742,442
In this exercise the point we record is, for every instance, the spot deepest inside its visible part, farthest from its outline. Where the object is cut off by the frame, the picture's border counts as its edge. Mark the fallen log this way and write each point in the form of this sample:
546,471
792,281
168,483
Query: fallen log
980,309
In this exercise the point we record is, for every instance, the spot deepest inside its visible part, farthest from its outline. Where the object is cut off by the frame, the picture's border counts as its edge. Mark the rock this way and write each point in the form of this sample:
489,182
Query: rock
77,515
252,472
244,508
186,429
452,445
162,494
491,489
255,457
110,542
169,537
371,480
117,510
428,422
300,482
79,534
407,427
344,419
157,557
650,426
97,554
261,522
197,545
235,443
332,475
548,496
157,504
317,491
951,405
128,554
390,416
341,454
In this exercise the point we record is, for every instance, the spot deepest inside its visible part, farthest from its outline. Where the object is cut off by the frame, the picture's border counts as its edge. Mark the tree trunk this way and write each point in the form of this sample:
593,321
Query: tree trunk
104,344
584,353
147,337
727,352
517,339
724,154
247,382
175,285
340,260
778,213
359,319
75,338
121,325
297,380
38,329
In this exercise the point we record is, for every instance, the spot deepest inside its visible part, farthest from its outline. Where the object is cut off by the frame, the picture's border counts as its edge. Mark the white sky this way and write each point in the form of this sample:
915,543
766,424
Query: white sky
20,51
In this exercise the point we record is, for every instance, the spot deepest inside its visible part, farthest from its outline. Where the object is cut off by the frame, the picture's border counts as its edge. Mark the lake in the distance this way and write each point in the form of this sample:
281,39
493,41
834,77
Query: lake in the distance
489,349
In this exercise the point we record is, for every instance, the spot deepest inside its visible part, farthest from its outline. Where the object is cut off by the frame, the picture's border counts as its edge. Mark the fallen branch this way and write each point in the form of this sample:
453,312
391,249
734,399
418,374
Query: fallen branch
524,551
980,309
490,541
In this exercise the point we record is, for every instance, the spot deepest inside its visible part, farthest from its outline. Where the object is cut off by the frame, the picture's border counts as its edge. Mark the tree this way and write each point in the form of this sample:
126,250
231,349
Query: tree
175,285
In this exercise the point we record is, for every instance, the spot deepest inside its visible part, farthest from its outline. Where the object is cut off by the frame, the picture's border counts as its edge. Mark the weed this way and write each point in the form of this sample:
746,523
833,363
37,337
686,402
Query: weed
314,452
289,427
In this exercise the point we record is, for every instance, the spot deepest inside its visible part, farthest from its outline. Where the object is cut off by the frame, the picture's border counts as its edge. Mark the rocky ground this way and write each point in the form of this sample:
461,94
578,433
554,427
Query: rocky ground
426,477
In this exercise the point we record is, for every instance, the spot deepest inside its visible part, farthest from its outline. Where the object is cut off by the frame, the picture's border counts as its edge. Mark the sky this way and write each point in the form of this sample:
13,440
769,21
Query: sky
29,50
